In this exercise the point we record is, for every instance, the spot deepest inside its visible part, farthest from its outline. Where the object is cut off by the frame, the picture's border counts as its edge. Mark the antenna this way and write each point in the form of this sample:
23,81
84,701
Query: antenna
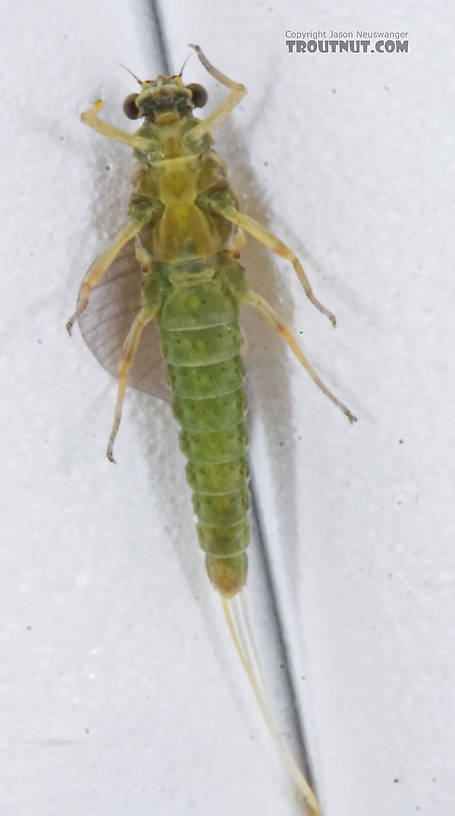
130,72
186,60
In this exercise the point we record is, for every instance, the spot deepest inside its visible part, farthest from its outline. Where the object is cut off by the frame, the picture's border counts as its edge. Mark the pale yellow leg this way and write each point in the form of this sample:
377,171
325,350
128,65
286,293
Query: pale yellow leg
222,111
130,347
100,265
277,324
90,118
270,240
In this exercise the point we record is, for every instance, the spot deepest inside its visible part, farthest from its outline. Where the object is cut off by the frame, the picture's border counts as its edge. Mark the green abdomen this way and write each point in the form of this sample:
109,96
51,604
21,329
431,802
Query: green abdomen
201,341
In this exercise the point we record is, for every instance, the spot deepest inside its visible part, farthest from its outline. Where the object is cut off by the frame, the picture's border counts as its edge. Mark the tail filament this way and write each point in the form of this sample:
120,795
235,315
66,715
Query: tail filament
239,623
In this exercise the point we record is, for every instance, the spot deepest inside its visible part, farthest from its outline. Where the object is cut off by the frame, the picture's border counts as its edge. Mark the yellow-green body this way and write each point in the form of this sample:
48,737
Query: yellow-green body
187,230
187,253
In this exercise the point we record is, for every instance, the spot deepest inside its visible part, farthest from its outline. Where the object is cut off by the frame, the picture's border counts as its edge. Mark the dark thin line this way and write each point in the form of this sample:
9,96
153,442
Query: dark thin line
163,49
257,518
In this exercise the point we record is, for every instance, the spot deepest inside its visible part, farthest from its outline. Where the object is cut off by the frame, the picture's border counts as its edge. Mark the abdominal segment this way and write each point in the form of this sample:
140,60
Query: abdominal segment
201,339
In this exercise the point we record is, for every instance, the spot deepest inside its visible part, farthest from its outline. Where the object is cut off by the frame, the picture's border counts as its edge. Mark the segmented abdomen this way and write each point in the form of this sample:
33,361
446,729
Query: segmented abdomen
201,340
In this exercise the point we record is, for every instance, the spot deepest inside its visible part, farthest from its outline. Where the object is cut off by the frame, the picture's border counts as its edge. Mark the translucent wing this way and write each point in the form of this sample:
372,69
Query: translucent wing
113,305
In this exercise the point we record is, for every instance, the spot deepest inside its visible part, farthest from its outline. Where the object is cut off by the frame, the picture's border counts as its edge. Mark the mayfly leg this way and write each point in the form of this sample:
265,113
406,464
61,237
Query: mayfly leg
99,267
101,264
129,350
151,302
272,242
276,322
240,288
223,110
91,119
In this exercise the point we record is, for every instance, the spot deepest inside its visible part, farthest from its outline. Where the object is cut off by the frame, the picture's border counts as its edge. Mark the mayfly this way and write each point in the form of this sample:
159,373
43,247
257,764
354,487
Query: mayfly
174,267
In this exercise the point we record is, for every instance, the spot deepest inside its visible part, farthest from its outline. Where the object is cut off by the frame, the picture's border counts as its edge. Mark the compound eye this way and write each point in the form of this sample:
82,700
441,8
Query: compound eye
129,106
198,95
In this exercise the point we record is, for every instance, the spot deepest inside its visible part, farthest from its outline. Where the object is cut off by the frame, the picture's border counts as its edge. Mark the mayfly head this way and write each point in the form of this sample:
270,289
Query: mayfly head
164,95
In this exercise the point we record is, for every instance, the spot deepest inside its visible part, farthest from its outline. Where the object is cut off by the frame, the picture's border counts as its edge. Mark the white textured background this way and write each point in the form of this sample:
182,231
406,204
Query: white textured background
119,690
